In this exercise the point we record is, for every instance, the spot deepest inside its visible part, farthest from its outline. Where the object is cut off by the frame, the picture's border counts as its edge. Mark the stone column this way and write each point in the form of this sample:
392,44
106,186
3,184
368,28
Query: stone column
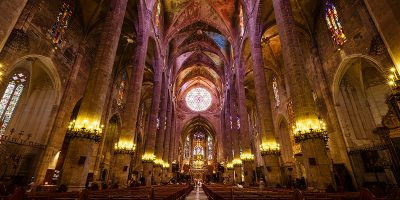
171,128
81,153
61,120
10,11
159,149
228,140
227,129
264,106
235,137
244,136
131,108
167,145
315,158
152,128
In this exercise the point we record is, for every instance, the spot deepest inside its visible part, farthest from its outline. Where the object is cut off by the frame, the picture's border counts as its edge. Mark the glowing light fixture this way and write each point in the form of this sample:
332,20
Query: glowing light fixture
246,157
89,129
124,147
270,148
229,166
237,162
148,158
311,128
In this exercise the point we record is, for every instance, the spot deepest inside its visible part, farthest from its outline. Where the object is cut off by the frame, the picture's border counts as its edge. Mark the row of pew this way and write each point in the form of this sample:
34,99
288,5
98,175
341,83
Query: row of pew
166,192
222,192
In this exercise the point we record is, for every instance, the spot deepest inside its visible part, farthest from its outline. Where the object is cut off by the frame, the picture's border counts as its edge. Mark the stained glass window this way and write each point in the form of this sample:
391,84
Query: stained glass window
199,136
10,99
59,28
210,148
198,150
121,89
276,91
241,21
157,16
333,23
198,99
230,120
238,122
187,147
219,39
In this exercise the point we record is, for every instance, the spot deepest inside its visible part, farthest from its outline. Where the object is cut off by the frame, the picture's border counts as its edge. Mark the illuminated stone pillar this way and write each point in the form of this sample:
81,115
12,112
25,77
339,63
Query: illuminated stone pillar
228,141
273,170
228,130
167,145
171,144
150,143
263,102
62,118
238,173
133,94
309,131
159,148
237,162
85,132
244,137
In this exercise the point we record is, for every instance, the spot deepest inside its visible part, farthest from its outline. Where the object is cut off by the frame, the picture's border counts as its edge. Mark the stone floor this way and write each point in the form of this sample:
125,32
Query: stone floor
197,194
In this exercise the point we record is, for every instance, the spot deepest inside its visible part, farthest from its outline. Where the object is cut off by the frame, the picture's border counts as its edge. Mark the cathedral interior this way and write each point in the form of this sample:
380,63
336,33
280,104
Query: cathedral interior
232,97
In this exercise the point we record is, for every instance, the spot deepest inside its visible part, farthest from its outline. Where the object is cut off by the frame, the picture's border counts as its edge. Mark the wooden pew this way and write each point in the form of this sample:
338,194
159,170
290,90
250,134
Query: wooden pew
220,192
168,192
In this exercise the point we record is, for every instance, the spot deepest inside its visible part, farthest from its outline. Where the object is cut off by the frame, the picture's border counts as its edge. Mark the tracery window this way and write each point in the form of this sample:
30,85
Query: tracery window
199,136
60,26
241,21
198,99
276,91
230,120
187,147
121,89
198,150
10,98
333,23
210,148
158,14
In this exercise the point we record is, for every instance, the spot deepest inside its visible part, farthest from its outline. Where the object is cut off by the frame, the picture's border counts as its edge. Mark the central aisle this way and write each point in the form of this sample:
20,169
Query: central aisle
197,194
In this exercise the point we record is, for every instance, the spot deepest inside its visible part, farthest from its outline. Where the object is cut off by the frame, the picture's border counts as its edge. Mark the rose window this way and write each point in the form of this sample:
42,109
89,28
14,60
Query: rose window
198,99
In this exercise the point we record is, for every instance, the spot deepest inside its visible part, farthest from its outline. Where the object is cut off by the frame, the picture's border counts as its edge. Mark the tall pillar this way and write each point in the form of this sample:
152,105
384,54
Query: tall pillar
150,143
159,148
131,108
309,130
85,132
167,145
268,141
171,128
61,120
10,11
247,156
228,139
236,162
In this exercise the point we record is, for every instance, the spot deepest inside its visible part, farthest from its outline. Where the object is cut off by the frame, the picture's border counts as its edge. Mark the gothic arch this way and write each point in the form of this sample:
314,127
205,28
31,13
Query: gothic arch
344,65
49,67
359,92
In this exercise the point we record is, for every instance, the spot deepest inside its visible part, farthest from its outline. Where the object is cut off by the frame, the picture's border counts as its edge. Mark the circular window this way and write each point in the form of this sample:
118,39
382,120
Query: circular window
198,99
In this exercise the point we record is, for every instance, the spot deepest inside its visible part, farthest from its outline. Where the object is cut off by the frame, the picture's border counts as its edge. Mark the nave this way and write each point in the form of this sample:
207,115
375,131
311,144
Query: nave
254,99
